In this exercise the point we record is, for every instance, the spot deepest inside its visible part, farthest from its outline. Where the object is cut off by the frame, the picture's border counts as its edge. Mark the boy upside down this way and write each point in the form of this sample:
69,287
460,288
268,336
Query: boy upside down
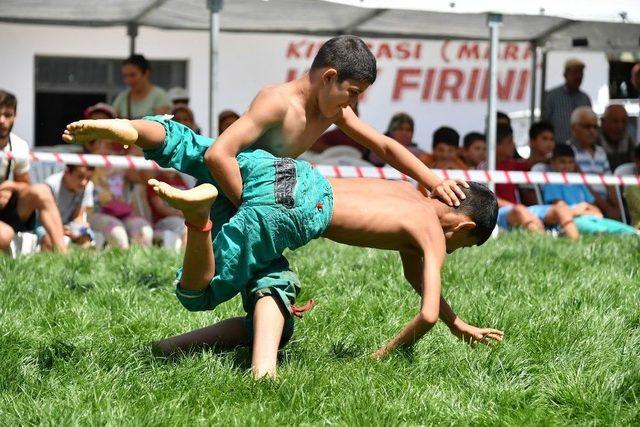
286,204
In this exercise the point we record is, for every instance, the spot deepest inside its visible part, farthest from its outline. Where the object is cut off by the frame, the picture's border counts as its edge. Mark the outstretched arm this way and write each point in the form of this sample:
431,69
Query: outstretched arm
400,158
266,110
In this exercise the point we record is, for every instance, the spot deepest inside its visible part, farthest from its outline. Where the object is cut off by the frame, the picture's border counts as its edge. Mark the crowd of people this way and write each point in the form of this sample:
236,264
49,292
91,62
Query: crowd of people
75,205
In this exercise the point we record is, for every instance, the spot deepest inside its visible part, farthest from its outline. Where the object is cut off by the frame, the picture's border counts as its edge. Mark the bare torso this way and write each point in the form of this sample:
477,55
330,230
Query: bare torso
379,214
300,128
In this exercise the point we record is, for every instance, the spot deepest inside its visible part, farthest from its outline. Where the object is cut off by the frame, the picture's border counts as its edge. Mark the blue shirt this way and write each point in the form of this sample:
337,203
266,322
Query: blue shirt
572,194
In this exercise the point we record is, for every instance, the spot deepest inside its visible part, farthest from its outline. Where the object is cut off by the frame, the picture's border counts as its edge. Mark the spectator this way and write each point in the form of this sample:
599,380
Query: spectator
178,95
183,114
225,119
635,81
541,143
445,143
115,215
142,98
577,196
164,217
632,194
401,129
560,102
19,200
505,148
592,158
100,110
336,137
614,135
474,150
503,119
73,192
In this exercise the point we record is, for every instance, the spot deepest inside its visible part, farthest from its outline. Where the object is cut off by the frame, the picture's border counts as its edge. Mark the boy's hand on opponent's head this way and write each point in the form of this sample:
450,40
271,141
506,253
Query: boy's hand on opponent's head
449,192
473,335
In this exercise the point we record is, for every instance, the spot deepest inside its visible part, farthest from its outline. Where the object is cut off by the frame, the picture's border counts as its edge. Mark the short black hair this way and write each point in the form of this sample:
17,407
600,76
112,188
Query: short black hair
138,61
563,150
538,127
481,206
71,168
472,137
445,135
636,153
502,115
502,132
350,57
8,100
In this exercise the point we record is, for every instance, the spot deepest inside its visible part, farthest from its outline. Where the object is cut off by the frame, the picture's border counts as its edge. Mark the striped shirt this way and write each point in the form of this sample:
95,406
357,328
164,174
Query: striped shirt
588,163
559,103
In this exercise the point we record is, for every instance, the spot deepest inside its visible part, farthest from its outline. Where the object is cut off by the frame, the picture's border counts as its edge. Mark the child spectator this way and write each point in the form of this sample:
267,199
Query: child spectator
164,217
73,191
225,119
632,194
445,143
505,149
541,142
577,196
474,150
183,114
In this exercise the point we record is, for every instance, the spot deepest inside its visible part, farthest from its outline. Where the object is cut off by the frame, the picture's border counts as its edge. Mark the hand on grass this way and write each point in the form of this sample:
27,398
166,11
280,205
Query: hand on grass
449,192
473,335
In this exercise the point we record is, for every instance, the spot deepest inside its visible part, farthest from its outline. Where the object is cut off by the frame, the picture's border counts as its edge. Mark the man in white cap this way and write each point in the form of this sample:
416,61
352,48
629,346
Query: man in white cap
179,95
560,102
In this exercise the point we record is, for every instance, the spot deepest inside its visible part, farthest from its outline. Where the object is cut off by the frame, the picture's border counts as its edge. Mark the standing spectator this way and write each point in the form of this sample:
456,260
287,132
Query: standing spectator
614,135
445,143
541,143
632,194
401,129
73,191
505,149
225,119
335,138
142,98
19,200
164,217
635,81
560,102
474,150
591,158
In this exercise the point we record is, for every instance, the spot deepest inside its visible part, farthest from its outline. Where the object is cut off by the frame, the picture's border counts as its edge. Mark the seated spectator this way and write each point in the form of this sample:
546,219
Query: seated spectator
336,137
541,143
73,192
505,149
225,119
178,95
577,196
164,217
537,217
474,150
184,115
592,158
503,119
100,110
19,200
445,143
632,194
114,215
614,136
401,129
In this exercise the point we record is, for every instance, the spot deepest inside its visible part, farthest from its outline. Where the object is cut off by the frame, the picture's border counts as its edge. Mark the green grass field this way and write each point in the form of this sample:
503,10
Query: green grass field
74,334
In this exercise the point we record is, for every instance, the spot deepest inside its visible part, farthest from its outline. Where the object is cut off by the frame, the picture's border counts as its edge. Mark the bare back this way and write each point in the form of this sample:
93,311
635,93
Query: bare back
379,214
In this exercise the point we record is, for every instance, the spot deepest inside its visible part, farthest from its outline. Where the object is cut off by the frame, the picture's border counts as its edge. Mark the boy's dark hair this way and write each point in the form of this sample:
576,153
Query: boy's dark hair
472,137
71,168
503,131
481,206
504,116
538,127
8,100
445,135
350,57
138,61
563,150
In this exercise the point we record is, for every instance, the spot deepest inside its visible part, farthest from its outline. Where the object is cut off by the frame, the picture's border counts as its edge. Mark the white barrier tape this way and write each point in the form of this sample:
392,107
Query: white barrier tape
497,177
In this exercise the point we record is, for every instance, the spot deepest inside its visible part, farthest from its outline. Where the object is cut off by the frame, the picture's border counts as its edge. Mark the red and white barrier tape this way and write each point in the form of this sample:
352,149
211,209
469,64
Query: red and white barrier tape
497,177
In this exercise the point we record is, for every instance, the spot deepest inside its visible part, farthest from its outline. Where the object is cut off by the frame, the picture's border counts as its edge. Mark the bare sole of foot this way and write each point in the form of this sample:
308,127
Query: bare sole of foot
118,130
195,203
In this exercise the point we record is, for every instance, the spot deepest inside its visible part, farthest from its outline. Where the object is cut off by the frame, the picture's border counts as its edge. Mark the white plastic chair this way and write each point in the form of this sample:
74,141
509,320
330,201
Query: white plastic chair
623,169
341,151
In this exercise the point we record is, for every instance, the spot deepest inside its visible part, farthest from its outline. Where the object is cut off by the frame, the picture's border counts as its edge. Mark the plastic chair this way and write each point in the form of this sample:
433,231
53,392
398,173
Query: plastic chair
342,151
623,169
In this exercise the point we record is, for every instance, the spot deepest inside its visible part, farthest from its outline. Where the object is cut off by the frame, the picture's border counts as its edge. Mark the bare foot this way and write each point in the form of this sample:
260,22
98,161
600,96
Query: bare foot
195,204
118,130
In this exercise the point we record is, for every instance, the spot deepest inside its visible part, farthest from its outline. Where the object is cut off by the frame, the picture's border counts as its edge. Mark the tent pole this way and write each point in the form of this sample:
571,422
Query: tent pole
214,35
132,32
494,21
543,79
534,82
